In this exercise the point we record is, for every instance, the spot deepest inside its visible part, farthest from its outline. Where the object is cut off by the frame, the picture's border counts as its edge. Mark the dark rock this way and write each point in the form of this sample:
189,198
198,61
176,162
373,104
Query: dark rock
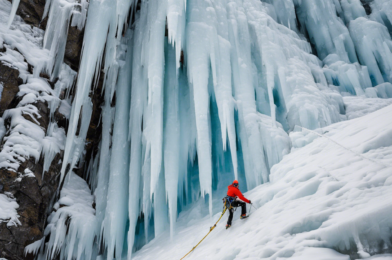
73,47
366,5
33,194
61,120
94,132
31,11
9,78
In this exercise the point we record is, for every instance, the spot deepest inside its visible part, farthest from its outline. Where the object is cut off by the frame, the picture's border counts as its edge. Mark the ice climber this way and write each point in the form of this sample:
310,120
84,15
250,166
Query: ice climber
234,195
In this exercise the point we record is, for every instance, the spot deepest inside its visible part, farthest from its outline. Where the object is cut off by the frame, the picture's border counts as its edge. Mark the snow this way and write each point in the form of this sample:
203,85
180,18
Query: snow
26,138
8,213
323,201
360,106
27,173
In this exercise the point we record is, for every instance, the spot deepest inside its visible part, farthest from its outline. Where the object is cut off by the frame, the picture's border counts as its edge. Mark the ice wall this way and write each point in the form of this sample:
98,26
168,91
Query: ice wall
205,92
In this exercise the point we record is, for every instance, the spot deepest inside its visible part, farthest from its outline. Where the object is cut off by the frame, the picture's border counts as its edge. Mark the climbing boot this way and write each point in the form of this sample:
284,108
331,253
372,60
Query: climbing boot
243,216
227,226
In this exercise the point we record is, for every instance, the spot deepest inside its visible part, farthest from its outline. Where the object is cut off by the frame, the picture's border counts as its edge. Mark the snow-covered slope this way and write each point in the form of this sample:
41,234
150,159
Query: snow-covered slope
332,193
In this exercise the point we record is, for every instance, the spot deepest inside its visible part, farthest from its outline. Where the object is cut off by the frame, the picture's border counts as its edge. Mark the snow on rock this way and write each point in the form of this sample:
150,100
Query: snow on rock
26,39
71,222
28,129
27,173
326,200
8,213
26,137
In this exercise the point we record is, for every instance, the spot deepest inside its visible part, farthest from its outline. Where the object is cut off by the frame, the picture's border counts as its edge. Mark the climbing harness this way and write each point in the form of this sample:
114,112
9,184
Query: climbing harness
211,228
227,202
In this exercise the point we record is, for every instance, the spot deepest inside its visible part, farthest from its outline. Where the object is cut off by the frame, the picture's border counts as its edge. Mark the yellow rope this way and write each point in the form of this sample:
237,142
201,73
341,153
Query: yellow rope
211,228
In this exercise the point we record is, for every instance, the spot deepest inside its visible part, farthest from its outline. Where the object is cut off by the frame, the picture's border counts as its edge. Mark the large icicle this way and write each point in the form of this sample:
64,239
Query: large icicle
116,216
155,63
171,134
198,72
137,106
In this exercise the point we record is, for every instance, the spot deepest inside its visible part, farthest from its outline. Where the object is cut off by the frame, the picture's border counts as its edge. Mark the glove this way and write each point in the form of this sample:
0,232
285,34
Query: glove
250,202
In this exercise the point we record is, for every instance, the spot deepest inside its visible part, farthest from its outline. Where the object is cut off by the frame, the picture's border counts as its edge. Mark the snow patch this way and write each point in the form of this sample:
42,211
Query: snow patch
8,213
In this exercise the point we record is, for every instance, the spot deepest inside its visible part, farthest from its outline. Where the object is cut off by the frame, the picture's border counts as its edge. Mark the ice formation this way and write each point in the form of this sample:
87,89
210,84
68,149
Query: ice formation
204,91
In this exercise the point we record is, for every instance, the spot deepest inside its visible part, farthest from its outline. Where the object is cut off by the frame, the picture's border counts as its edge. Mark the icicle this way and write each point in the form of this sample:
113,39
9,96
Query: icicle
116,215
198,73
15,5
137,105
171,135
95,37
155,63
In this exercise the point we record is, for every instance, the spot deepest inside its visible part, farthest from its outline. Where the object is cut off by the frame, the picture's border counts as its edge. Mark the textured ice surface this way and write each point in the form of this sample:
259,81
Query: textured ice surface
322,198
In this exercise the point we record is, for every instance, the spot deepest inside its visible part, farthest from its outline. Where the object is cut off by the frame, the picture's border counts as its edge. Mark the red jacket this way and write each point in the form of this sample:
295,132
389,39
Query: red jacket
235,192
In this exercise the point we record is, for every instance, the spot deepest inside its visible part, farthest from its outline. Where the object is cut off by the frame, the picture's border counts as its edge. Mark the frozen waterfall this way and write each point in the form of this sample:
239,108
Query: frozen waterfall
197,93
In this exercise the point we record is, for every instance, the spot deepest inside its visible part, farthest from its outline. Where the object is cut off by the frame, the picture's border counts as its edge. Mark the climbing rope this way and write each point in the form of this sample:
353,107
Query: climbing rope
250,208
211,228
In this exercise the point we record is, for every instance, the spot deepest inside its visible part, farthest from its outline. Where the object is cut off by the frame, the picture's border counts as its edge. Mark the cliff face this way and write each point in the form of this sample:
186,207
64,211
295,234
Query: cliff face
33,192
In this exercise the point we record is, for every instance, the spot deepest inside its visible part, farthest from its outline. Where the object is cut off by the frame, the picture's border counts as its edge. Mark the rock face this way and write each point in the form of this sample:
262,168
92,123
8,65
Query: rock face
33,194
32,11
9,78
73,47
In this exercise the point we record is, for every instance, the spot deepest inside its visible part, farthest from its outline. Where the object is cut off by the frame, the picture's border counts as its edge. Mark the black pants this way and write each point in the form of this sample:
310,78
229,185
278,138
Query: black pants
236,204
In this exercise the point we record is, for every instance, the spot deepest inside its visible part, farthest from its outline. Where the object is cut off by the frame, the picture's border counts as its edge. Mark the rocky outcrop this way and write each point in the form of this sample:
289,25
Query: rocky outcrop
32,11
32,194
9,79
73,47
